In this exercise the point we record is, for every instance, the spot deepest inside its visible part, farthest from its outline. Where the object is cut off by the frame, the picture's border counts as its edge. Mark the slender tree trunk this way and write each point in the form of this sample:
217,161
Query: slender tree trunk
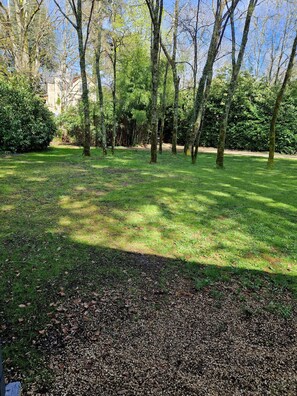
175,112
155,83
176,78
279,63
194,150
114,98
278,102
100,91
156,10
85,93
164,104
236,66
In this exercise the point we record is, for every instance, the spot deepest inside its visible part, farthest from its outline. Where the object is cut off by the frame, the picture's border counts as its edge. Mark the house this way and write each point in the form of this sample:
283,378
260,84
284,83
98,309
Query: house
65,92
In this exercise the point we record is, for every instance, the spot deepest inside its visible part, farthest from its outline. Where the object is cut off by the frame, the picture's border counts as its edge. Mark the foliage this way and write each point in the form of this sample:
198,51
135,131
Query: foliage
70,125
25,122
250,115
27,37
134,89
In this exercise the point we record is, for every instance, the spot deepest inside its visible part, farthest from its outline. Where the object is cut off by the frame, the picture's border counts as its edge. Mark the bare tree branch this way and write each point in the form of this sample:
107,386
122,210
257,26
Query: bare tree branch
65,15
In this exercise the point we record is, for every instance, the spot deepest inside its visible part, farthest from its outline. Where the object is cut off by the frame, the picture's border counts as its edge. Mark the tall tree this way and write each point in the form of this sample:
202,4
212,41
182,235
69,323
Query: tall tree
236,66
114,44
278,102
176,79
116,36
205,80
156,10
78,13
164,104
26,36
192,29
98,52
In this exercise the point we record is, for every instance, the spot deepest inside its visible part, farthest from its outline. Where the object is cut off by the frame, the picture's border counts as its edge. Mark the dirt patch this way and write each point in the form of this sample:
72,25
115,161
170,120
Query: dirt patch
141,339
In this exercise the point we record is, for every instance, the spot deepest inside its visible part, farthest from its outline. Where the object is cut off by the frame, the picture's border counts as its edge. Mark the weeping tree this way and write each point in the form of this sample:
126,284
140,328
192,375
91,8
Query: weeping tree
236,66
156,9
77,20
278,102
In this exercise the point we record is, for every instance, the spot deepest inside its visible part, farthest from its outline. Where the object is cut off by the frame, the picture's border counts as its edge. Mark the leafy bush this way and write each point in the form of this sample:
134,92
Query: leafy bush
250,116
70,125
25,122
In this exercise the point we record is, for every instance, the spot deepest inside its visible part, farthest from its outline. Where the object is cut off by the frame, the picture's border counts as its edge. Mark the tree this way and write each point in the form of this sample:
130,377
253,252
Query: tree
115,40
26,36
192,29
156,10
205,80
164,103
176,79
98,52
278,102
76,7
236,66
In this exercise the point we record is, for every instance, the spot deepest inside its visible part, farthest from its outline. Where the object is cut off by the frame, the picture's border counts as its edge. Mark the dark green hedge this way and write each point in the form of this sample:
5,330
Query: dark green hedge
250,115
25,122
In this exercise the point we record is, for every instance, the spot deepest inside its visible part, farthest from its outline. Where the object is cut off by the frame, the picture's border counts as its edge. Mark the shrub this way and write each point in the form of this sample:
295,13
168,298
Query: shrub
25,122
70,125
250,116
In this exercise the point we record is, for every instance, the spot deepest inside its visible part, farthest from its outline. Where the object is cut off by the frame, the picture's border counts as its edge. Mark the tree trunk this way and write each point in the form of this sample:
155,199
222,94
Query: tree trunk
236,66
114,98
156,10
195,39
100,91
176,80
164,103
85,92
278,103
155,83
194,152
195,70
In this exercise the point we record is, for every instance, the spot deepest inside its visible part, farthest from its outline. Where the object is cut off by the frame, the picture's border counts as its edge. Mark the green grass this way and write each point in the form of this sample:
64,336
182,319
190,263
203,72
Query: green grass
59,212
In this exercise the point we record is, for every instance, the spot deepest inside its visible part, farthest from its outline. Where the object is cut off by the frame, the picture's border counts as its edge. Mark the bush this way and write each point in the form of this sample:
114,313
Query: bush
249,119
70,126
25,122
251,111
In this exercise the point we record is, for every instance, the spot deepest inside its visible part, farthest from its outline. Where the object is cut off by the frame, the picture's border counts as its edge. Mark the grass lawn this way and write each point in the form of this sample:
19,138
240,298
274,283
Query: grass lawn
61,212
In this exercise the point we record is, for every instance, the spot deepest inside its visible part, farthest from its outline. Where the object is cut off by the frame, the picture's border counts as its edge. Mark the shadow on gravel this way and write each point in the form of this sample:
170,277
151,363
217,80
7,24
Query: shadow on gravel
119,323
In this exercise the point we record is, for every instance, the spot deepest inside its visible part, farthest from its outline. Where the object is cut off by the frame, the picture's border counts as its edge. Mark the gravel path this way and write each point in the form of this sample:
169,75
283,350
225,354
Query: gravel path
213,150
140,339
